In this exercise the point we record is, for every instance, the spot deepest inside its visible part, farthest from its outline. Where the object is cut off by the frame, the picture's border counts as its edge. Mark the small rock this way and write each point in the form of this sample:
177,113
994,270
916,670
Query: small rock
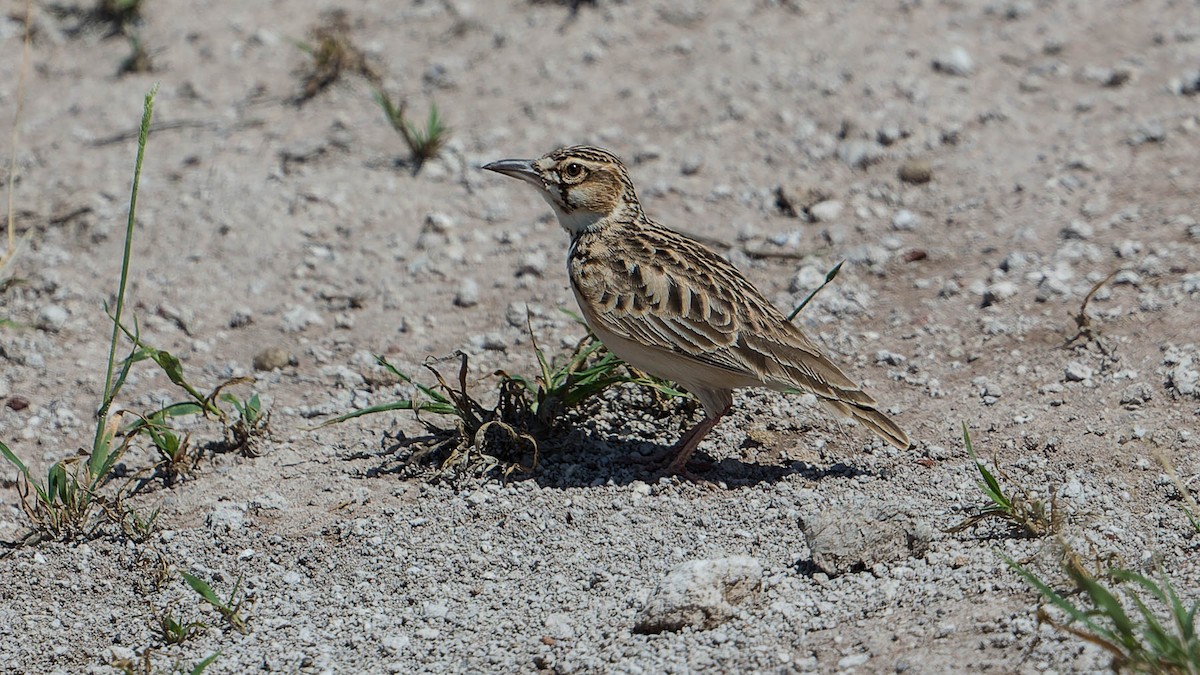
468,293
1148,132
853,661
691,165
808,278
1077,230
274,357
1077,372
493,341
957,61
227,517
533,263
905,220
299,318
52,318
17,403
849,540
859,154
1136,394
890,358
916,172
241,317
1187,84
998,292
700,594
794,200
823,212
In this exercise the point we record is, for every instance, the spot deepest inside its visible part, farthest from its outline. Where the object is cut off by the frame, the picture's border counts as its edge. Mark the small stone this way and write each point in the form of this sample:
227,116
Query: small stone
274,357
299,318
1187,84
957,61
916,172
17,403
998,292
1077,372
468,293
691,165
859,154
808,278
1148,132
241,317
227,517
700,594
1136,395
905,220
494,342
853,661
849,540
793,200
823,212
890,358
1077,230
52,318
533,263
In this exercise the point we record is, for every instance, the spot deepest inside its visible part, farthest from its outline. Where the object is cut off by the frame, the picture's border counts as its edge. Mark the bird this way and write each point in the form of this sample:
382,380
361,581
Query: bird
670,306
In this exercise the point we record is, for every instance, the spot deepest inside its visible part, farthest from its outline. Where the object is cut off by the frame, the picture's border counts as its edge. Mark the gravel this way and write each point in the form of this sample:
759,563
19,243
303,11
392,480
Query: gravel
266,224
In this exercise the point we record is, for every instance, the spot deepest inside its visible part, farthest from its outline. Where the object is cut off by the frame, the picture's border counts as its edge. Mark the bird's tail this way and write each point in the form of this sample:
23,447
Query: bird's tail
874,420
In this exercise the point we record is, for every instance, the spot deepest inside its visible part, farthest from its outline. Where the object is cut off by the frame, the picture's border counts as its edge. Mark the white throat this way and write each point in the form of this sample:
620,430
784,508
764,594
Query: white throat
576,222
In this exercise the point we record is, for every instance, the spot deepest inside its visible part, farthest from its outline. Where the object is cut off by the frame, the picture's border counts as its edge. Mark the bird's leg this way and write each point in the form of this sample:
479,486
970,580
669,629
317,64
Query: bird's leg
690,441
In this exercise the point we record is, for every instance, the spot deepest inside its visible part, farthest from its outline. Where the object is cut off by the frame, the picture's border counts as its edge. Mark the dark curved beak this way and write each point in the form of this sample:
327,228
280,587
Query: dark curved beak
517,168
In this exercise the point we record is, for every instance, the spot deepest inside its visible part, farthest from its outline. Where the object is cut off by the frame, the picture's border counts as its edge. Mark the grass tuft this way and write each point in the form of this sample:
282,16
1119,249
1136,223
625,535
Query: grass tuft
1017,507
333,55
508,435
230,609
424,143
1133,629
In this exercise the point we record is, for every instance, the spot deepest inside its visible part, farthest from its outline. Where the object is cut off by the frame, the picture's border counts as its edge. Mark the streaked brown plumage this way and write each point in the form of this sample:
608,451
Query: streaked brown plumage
674,308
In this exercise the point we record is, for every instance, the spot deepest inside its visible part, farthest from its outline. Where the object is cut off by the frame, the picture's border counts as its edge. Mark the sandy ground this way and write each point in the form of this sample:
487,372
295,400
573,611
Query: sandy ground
1061,139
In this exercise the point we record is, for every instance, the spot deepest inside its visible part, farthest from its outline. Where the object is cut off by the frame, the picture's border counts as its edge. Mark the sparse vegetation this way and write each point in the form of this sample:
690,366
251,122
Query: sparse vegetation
230,609
1085,329
424,143
333,55
526,412
1140,640
68,504
1018,507
138,60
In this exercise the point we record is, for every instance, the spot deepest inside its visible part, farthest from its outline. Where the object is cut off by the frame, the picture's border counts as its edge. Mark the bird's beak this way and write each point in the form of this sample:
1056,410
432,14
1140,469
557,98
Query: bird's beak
517,168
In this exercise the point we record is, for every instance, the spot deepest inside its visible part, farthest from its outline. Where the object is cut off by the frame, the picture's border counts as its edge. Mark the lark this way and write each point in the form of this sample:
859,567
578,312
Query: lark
674,308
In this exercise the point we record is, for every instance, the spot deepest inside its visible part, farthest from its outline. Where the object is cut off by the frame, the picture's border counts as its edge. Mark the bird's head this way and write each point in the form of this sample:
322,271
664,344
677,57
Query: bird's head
587,187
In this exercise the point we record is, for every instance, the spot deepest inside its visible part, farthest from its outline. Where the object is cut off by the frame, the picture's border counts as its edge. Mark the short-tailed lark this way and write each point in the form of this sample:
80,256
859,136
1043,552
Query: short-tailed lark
672,307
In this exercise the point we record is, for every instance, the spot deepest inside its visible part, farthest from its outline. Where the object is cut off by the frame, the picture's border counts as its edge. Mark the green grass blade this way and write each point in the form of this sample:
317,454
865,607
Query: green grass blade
436,408
143,133
1059,601
200,667
829,276
202,588
990,485
13,459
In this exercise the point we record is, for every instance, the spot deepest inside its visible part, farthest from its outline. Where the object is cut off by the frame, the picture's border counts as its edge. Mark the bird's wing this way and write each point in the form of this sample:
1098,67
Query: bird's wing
669,292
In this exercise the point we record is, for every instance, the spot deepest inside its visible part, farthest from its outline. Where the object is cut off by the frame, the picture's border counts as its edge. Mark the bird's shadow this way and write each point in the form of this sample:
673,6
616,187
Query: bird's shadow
586,459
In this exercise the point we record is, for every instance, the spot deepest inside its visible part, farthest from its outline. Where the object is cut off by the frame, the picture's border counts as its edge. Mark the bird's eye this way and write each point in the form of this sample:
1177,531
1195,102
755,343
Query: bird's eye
572,170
